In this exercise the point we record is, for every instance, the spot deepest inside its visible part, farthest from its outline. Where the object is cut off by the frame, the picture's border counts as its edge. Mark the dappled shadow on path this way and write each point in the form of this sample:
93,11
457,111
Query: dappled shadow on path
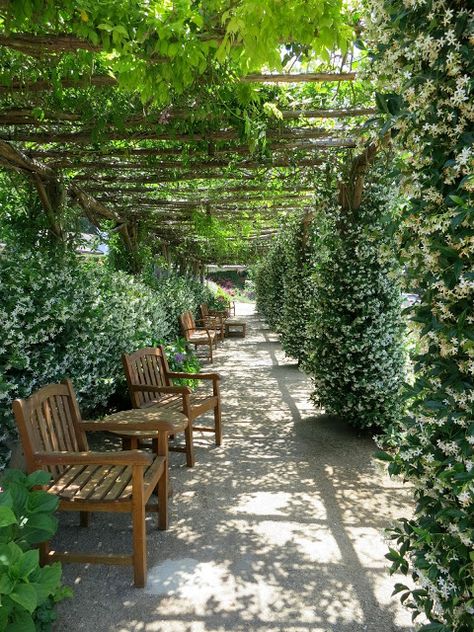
277,530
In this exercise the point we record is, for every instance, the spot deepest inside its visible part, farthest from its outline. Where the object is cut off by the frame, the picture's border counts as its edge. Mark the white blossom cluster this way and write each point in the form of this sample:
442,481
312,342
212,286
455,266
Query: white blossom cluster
355,353
67,319
423,52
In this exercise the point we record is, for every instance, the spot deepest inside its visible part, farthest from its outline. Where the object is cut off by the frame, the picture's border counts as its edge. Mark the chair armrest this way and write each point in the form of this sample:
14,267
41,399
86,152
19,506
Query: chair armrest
204,321
195,376
145,388
160,425
127,457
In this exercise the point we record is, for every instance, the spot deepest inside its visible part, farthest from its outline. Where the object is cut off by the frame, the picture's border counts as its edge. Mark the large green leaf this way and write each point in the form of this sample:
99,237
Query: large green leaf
7,517
25,595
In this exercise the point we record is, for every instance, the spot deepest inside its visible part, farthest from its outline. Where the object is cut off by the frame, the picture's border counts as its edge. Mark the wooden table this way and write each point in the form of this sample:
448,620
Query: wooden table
230,324
159,440
131,438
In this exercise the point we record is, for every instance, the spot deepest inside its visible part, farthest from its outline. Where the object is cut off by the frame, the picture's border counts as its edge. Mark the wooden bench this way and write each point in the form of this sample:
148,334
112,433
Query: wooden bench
198,335
54,439
150,383
213,320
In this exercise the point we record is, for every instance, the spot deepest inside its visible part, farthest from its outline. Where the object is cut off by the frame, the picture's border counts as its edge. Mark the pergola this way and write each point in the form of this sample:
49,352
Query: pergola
160,167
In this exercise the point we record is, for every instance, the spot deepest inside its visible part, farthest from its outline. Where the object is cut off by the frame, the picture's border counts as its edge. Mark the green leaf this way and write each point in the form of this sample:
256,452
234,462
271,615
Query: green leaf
6,584
22,622
28,563
46,581
39,501
10,553
38,478
7,517
40,527
382,456
434,627
25,595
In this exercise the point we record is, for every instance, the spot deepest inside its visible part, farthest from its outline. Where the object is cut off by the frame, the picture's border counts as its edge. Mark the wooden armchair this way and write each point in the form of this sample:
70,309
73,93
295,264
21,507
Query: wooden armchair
150,383
195,335
213,320
54,439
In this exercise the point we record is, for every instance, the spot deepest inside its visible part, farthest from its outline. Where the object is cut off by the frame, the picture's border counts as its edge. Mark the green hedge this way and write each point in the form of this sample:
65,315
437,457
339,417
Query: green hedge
269,279
355,352
329,288
66,318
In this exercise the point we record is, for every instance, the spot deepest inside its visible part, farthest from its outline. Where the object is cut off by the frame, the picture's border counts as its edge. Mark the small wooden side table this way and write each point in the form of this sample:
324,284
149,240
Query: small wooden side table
231,325
178,422
131,438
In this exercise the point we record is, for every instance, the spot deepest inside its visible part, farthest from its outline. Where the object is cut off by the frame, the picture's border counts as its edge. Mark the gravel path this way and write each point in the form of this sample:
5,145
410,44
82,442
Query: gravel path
279,530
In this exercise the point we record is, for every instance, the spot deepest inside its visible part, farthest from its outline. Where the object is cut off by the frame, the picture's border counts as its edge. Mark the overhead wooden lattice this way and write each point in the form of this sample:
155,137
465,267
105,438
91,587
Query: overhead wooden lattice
127,162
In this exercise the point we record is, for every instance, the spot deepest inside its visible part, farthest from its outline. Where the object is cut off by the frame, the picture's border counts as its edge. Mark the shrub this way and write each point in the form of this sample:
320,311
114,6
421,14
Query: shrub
356,355
28,592
220,301
182,359
423,57
269,283
179,294
65,318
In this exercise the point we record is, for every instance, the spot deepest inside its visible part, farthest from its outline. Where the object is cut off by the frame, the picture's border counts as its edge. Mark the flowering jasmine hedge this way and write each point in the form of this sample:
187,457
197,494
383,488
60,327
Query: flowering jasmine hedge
423,59
269,279
354,339
179,294
338,309
64,318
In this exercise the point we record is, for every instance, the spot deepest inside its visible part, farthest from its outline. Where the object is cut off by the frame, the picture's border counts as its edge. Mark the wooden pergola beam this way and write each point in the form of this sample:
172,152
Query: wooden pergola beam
98,165
36,45
26,116
171,178
86,136
43,85
305,77
14,158
219,191
111,151
200,202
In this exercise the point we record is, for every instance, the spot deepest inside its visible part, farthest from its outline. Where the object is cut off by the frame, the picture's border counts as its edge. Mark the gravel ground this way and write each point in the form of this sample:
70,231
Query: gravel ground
279,530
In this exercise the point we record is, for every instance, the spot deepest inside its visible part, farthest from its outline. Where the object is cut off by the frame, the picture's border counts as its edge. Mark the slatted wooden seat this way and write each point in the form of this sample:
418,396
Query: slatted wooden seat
213,320
198,336
150,383
54,439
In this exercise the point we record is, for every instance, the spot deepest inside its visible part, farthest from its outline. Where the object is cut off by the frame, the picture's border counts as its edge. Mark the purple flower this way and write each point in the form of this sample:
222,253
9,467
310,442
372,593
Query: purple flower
179,358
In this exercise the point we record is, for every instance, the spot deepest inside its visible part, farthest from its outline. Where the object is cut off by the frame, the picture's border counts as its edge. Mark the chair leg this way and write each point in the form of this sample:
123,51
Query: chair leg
85,518
139,529
188,434
43,553
210,353
218,423
163,519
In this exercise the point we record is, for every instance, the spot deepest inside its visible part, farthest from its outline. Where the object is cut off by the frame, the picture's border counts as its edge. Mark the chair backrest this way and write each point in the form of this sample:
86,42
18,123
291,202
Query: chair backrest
188,324
48,421
204,311
149,367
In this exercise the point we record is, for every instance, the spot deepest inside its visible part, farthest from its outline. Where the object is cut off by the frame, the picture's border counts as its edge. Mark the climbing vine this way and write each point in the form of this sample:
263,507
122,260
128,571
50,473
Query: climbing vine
424,61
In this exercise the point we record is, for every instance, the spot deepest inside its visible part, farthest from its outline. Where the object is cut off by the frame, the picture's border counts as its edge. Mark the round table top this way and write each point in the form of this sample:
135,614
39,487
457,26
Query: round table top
153,413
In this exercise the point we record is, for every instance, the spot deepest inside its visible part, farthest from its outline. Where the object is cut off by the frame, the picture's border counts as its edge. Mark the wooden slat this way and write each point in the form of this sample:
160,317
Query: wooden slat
58,423
99,477
92,558
73,488
101,490
66,478
122,483
67,429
